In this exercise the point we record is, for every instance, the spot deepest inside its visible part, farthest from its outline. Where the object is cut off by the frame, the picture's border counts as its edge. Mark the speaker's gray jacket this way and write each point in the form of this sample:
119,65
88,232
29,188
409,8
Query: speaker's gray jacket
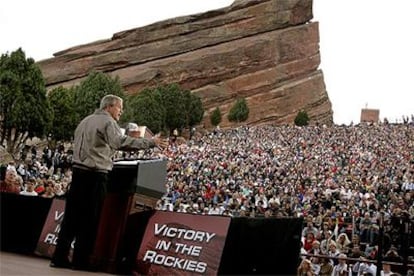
97,138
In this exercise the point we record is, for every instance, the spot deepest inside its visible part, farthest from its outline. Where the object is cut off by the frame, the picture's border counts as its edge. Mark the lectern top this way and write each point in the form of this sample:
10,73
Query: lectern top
133,162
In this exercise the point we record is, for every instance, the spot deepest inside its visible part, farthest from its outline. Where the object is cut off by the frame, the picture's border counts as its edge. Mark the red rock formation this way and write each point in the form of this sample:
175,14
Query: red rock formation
266,51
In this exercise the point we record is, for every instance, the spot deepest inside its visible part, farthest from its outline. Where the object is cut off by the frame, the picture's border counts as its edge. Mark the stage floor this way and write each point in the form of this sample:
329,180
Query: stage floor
16,264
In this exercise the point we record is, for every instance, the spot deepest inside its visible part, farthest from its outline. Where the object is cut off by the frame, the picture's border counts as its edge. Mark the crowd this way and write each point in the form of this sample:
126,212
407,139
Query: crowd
345,181
45,173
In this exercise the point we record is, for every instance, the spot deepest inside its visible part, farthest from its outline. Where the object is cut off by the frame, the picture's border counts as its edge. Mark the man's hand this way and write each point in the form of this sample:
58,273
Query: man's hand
161,143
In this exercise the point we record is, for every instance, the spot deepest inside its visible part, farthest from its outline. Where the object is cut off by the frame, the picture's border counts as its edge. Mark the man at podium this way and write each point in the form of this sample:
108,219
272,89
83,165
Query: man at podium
97,137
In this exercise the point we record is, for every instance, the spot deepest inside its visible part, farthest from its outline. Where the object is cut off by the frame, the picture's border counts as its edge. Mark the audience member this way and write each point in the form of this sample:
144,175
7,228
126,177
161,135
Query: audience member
29,189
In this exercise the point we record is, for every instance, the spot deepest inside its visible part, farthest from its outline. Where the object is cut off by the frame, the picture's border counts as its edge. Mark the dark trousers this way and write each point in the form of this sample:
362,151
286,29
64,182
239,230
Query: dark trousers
83,207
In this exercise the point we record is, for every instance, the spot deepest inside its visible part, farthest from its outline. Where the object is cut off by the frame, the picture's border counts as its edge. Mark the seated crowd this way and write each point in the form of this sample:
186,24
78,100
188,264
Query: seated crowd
345,181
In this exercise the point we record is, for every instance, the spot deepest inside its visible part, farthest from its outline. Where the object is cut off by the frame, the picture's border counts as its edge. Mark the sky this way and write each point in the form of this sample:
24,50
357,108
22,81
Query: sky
366,46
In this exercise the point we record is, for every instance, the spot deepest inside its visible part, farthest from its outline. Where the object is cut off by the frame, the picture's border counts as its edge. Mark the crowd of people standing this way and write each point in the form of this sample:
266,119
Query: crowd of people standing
39,172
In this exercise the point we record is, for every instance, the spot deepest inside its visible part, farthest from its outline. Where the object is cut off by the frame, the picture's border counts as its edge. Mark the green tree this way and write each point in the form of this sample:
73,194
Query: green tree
239,112
175,106
145,109
89,93
194,109
302,118
25,111
164,108
65,119
215,117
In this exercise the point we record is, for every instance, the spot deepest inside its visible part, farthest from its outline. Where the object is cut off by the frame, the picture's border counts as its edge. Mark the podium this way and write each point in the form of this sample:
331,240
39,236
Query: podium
134,186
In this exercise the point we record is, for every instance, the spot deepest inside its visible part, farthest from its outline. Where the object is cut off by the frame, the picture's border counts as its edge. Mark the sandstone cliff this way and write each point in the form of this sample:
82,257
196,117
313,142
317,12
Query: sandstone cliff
266,51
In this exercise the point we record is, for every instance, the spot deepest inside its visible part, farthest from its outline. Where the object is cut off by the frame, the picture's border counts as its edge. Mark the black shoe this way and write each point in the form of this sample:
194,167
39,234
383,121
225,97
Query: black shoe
60,264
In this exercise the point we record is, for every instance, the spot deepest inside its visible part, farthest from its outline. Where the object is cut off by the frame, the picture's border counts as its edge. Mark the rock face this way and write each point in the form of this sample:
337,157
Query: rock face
266,51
